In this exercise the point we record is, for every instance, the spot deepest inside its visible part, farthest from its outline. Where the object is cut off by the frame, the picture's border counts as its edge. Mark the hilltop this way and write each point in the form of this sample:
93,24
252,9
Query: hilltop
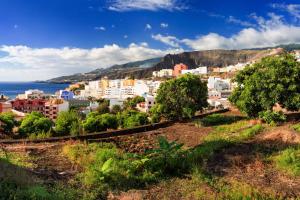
144,69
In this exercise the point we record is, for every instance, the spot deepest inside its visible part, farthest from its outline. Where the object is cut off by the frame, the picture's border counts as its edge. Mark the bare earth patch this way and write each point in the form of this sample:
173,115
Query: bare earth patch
48,162
281,134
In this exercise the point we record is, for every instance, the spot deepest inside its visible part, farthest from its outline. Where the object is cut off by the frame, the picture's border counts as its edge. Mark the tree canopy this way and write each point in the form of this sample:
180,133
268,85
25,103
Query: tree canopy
131,103
96,122
67,123
260,86
7,122
35,122
181,97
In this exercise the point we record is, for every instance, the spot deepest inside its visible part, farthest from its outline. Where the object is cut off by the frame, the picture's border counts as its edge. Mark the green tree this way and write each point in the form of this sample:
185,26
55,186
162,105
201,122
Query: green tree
103,107
67,123
131,103
132,118
96,122
260,86
7,122
181,97
36,123
116,109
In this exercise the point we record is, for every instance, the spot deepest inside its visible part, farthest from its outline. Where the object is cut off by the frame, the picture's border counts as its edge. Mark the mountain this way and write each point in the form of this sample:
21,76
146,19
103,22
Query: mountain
211,58
111,72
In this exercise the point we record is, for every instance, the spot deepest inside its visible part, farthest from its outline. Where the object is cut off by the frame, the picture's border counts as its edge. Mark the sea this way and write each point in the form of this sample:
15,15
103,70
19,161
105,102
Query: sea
12,89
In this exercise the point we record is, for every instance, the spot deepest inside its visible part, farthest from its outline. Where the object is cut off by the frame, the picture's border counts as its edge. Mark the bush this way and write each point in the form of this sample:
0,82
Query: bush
272,118
131,118
107,168
7,122
103,107
131,103
67,123
116,109
41,135
216,119
35,123
96,122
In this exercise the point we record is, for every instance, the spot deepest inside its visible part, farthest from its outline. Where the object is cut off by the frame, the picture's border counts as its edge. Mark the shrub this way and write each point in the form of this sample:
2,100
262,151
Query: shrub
96,122
131,118
7,122
131,103
216,119
272,118
41,135
103,107
35,122
66,123
116,109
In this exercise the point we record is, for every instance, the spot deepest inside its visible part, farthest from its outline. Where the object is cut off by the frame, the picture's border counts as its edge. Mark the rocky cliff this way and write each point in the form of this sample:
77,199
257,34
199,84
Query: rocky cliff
143,69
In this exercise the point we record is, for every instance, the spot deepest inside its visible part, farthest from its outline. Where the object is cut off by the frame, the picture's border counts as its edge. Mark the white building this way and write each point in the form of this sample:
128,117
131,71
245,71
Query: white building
163,73
216,83
54,107
147,105
197,71
34,94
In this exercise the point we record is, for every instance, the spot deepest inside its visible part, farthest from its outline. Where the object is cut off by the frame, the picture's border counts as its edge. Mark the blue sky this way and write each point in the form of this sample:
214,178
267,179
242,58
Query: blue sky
40,39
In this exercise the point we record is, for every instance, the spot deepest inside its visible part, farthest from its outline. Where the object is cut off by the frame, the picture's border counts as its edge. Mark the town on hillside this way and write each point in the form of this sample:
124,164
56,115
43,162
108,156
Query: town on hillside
84,95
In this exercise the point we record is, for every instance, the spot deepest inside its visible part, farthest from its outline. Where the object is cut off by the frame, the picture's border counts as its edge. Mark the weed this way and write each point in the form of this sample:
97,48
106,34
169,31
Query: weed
217,119
288,160
296,127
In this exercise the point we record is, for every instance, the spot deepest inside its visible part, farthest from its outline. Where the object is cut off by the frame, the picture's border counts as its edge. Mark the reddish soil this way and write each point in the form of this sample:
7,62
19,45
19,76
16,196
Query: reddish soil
282,134
185,133
48,161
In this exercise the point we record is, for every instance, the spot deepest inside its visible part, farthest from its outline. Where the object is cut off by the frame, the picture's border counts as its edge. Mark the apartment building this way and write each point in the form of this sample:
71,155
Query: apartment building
54,107
34,94
28,105
5,107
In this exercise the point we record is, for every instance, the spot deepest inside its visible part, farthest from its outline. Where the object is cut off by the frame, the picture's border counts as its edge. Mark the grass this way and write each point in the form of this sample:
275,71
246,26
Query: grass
17,159
107,168
296,127
288,161
41,135
217,119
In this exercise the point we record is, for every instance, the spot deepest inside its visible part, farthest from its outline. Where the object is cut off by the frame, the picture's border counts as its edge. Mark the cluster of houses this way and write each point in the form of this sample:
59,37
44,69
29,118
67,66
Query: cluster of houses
83,95
203,70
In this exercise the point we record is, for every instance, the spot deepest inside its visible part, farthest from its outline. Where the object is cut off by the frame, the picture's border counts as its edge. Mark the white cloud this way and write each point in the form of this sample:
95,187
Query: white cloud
269,32
232,19
23,63
151,5
168,40
100,28
293,9
164,25
148,27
